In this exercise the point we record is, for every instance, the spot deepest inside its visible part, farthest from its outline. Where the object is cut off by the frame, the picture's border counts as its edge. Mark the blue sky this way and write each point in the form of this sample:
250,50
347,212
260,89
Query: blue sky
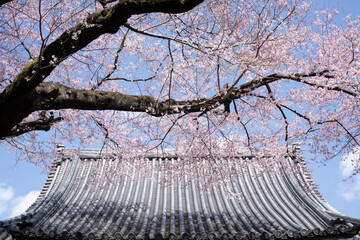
21,182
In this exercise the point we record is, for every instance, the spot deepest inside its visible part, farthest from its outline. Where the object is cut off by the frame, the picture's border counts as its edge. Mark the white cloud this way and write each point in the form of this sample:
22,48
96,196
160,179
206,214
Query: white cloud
350,189
12,205
349,162
23,203
6,194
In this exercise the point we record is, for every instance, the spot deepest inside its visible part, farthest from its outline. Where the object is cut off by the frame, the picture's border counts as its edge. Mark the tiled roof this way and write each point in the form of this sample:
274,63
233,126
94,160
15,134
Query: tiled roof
131,206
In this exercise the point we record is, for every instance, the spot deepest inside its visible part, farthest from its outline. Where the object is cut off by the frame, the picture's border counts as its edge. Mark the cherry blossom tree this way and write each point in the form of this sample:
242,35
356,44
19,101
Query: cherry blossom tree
197,77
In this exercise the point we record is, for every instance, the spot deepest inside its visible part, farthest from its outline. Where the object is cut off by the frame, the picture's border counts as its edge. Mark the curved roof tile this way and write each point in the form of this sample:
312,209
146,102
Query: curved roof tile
132,206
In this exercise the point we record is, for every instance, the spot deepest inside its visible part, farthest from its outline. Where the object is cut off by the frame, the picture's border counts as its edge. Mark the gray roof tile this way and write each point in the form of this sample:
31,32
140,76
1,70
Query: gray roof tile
132,206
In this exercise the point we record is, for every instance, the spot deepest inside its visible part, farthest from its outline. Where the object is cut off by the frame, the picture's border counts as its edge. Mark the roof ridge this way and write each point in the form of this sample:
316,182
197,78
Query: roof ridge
63,152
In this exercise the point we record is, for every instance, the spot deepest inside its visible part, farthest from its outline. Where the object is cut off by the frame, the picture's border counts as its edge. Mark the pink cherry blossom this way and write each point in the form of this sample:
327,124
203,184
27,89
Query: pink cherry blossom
212,81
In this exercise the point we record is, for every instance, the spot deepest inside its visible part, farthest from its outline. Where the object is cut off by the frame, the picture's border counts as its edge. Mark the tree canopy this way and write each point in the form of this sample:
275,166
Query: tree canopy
197,77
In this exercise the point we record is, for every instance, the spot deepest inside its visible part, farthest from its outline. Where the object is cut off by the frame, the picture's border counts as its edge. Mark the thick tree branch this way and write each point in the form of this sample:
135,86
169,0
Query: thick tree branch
53,95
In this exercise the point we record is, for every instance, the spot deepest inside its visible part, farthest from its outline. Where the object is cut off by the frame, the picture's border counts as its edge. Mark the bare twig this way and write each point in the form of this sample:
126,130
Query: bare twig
171,70
114,68
281,111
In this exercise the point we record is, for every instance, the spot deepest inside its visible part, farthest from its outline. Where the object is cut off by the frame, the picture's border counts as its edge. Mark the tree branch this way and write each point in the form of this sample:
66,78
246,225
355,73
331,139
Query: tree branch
107,20
183,42
278,106
37,125
52,95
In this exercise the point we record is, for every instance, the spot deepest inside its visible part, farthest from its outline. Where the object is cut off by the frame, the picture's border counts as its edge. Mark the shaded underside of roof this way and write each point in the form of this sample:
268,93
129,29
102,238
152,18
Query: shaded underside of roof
81,200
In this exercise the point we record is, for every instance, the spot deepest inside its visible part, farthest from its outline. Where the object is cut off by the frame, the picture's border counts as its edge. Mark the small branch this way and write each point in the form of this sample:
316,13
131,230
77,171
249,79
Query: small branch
218,72
274,30
163,37
317,122
334,88
172,68
114,68
281,111
168,131
131,80
243,125
38,125
238,79
105,130
297,113
343,127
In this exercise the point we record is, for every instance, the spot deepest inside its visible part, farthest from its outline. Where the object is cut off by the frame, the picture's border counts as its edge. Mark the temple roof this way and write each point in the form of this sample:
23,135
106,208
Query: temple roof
84,199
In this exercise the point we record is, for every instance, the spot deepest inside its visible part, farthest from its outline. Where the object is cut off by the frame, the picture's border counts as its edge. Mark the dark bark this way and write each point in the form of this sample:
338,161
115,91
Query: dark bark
37,125
54,96
2,2
16,95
